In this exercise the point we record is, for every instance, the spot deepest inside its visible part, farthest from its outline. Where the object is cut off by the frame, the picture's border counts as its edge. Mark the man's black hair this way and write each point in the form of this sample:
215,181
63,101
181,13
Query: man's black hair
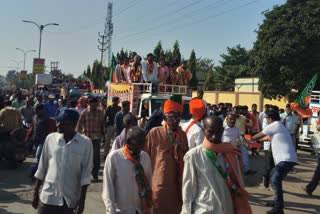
135,133
273,114
128,119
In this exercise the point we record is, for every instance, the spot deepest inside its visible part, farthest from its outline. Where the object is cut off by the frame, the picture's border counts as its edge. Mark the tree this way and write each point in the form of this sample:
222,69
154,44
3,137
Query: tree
113,60
192,68
287,52
168,57
234,64
176,55
158,51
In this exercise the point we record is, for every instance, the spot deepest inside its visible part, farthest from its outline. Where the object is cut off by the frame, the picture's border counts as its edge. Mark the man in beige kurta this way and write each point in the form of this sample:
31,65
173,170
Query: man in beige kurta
166,147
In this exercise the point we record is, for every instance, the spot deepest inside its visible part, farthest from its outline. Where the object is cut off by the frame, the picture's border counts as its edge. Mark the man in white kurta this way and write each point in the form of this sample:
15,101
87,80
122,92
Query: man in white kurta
120,190
204,189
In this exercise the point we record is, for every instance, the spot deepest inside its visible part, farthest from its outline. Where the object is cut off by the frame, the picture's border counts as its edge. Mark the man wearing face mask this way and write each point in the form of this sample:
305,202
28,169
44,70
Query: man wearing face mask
212,179
166,146
127,177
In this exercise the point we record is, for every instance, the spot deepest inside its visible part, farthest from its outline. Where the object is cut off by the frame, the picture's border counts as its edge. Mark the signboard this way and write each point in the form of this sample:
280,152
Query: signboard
23,75
38,66
123,91
43,79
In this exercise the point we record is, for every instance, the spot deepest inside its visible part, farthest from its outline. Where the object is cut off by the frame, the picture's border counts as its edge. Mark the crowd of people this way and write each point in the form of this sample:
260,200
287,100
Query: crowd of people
151,165
133,70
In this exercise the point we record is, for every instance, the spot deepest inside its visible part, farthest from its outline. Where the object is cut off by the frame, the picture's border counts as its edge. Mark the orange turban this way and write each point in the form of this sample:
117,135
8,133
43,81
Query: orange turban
197,109
82,101
174,103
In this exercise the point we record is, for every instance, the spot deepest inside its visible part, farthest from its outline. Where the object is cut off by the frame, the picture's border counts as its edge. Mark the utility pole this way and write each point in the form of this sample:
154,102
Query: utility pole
102,49
102,46
108,31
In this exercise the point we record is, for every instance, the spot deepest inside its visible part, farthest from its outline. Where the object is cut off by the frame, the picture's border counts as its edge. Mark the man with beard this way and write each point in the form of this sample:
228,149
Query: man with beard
166,146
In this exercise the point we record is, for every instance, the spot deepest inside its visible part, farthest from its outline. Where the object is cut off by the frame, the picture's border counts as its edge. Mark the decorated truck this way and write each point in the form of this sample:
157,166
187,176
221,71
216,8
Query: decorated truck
147,97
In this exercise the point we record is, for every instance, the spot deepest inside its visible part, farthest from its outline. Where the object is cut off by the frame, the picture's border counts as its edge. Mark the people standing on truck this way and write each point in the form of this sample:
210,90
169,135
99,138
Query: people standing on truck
110,115
149,69
92,124
119,116
129,120
283,154
163,71
184,73
118,71
136,70
132,55
193,128
166,146
173,74
125,71
51,106
212,177
127,177
290,121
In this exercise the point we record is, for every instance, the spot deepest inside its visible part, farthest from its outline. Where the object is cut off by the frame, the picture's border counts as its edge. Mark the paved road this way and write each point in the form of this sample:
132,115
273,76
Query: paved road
16,190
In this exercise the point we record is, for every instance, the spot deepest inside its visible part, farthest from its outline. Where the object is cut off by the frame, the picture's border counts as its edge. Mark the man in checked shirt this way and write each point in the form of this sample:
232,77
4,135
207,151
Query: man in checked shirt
91,124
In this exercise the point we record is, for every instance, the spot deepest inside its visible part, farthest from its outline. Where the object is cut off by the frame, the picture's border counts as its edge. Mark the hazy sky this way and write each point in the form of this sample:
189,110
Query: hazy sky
208,26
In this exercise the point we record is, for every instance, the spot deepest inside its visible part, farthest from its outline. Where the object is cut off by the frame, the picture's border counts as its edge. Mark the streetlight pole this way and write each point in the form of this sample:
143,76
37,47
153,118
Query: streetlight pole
41,27
25,56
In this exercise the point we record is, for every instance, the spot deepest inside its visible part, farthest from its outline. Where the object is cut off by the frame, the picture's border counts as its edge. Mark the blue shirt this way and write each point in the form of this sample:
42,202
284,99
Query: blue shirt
291,122
51,109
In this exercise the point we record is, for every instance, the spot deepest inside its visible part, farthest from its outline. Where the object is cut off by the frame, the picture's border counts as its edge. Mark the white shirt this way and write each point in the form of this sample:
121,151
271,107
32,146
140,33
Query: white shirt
195,134
262,119
204,190
231,135
120,191
281,143
64,168
149,77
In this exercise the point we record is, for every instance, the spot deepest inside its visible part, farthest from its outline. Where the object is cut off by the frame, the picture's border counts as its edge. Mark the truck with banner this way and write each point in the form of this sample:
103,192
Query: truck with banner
148,97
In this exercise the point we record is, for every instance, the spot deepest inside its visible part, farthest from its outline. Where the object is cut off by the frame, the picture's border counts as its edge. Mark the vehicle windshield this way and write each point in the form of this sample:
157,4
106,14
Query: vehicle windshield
156,103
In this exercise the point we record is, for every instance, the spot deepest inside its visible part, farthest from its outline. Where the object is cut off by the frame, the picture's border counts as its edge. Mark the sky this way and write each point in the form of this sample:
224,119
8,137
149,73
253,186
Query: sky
207,26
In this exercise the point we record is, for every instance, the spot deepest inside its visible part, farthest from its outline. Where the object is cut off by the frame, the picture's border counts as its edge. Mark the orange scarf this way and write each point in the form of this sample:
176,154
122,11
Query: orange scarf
143,184
230,152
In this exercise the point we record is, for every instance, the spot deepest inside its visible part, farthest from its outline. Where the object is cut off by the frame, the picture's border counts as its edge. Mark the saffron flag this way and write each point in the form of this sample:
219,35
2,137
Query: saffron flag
301,104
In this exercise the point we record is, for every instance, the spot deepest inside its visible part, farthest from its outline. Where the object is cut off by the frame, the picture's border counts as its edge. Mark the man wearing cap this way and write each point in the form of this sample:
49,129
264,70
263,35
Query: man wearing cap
193,128
91,124
51,106
119,116
64,169
111,112
166,146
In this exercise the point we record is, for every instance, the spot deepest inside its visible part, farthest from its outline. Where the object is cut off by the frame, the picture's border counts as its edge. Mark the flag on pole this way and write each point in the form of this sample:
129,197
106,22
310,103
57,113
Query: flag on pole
301,104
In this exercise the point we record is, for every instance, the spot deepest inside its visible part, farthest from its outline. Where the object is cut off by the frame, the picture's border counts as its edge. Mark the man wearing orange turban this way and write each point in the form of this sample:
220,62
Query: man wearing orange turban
166,146
193,128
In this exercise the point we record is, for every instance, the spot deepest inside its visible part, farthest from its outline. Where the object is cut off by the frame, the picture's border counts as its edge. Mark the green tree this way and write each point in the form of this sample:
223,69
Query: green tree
176,55
234,64
158,51
113,60
168,57
192,68
287,52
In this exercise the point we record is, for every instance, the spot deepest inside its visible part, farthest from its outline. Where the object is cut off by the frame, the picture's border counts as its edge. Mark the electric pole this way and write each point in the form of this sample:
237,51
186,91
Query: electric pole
108,31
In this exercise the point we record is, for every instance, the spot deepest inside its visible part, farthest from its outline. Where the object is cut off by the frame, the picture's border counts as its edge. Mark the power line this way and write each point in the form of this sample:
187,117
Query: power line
200,20
173,21
120,11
